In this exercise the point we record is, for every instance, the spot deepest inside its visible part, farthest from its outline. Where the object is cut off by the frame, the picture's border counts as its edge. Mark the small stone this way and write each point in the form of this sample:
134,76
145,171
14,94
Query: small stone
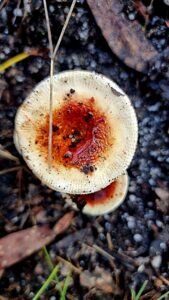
102,237
159,224
108,226
132,198
141,268
131,224
154,107
17,12
155,247
51,8
163,246
156,261
131,16
138,238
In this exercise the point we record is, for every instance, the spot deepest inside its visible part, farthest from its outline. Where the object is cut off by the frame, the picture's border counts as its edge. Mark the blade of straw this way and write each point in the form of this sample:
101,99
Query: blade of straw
64,27
53,54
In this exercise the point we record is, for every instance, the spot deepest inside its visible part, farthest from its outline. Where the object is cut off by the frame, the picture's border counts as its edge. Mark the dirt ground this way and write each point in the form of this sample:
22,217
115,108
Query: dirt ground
136,235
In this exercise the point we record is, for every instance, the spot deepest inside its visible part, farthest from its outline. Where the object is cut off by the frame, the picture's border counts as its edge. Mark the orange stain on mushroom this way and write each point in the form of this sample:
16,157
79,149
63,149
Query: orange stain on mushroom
80,134
97,198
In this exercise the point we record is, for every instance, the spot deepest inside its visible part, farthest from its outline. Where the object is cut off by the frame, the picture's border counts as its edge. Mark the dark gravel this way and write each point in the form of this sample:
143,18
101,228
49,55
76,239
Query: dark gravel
139,231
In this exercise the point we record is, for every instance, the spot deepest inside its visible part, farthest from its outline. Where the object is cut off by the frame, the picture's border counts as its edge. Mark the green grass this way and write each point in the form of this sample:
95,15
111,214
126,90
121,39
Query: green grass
137,296
46,283
163,296
133,293
63,287
53,277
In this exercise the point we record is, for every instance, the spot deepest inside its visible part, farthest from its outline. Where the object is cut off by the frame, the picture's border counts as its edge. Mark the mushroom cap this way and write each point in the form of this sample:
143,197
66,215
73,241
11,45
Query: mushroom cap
94,132
103,201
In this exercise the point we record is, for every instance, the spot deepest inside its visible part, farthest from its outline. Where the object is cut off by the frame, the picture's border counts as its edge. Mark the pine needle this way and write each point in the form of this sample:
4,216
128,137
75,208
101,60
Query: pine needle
9,170
19,57
11,61
64,27
53,55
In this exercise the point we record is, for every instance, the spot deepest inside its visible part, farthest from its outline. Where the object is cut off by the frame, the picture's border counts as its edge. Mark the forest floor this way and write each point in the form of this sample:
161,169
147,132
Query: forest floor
136,235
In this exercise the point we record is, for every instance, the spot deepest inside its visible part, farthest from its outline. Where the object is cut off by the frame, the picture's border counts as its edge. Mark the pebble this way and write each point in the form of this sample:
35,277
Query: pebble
108,226
51,8
131,224
154,107
132,198
17,12
156,261
141,268
137,238
131,16
163,246
102,237
159,224
166,2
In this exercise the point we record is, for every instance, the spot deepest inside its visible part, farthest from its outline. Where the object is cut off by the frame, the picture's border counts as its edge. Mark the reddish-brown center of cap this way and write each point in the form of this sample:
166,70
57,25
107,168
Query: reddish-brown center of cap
80,135
97,198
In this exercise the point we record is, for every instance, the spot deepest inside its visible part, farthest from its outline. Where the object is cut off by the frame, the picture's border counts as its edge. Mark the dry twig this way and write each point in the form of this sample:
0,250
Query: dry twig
9,170
166,281
69,264
53,55
7,155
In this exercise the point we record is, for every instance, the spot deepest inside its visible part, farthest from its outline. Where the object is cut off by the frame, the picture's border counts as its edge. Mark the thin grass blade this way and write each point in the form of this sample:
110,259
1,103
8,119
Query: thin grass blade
164,296
141,290
46,283
67,283
48,258
133,294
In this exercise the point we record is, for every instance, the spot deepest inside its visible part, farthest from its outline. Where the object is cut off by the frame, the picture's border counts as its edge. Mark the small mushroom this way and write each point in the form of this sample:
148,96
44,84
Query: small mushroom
94,137
103,201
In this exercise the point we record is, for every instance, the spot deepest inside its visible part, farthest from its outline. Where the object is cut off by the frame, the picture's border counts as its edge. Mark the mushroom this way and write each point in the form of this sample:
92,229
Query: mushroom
94,132
103,201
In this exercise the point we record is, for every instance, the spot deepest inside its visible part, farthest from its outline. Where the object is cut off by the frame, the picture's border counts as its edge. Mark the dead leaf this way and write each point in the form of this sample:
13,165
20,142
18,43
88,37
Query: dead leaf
125,38
163,199
142,10
100,279
63,223
167,23
16,246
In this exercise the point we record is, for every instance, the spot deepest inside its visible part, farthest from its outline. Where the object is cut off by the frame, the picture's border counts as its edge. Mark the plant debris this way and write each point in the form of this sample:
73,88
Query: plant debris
7,155
18,245
125,38
137,233
99,278
142,10
162,201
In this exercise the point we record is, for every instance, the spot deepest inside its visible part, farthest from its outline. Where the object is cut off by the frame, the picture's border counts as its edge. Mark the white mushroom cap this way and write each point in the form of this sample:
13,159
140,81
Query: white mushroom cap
101,202
106,132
